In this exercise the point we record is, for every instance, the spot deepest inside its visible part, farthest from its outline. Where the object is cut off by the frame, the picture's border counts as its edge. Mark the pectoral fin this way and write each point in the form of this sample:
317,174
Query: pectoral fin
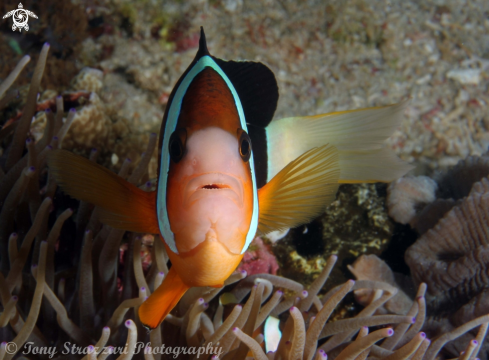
300,191
154,310
124,206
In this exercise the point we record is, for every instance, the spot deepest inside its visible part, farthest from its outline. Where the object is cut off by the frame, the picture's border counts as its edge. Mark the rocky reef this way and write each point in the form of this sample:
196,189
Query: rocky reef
66,278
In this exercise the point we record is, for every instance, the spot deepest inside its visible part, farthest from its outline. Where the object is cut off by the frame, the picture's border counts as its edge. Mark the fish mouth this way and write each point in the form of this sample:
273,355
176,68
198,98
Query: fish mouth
216,183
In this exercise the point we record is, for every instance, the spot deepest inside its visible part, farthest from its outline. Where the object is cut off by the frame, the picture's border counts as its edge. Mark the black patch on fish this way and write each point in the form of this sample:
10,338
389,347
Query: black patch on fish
258,138
256,87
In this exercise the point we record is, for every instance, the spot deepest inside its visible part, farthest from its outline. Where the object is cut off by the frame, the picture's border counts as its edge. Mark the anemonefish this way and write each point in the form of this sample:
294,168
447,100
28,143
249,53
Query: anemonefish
227,172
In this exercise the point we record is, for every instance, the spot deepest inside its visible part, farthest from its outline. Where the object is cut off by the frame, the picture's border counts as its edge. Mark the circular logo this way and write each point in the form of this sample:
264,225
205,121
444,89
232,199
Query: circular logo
11,348
20,18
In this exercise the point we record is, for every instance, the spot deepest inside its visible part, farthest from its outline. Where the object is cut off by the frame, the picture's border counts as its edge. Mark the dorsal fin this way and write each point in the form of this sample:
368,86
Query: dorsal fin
256,87
202,45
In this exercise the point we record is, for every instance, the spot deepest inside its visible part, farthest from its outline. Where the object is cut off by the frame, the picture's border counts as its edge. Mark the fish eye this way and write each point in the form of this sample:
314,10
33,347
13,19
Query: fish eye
176,145
244,145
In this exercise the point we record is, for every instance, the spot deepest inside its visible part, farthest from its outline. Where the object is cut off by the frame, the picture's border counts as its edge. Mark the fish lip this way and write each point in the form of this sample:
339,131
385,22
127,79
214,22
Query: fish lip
213,181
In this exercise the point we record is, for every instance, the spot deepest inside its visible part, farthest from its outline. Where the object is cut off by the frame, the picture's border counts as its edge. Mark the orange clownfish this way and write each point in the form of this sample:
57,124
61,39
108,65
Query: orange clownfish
227,172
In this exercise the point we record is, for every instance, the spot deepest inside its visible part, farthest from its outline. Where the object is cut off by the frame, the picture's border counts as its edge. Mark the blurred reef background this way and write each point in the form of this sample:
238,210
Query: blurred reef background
116,61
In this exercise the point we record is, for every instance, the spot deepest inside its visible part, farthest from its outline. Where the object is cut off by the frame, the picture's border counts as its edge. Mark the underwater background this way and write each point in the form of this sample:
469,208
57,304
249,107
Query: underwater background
116,62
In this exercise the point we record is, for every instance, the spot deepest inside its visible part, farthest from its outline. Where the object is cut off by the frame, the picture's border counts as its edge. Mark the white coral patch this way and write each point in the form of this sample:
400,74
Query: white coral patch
405,194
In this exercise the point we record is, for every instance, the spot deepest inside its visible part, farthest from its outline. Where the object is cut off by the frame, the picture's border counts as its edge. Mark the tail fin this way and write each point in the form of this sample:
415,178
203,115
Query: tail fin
154,310
124,205
358,135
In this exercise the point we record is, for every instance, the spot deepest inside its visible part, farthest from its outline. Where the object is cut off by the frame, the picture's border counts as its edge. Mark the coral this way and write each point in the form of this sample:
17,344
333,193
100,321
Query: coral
99,121
422,202
407,194
91,126
457,182
355,223
258,259
451,254
452,257
88,79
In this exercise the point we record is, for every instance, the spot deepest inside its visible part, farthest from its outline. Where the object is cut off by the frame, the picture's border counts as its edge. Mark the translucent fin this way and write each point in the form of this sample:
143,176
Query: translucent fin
359,136
299,192
159,304
124,206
